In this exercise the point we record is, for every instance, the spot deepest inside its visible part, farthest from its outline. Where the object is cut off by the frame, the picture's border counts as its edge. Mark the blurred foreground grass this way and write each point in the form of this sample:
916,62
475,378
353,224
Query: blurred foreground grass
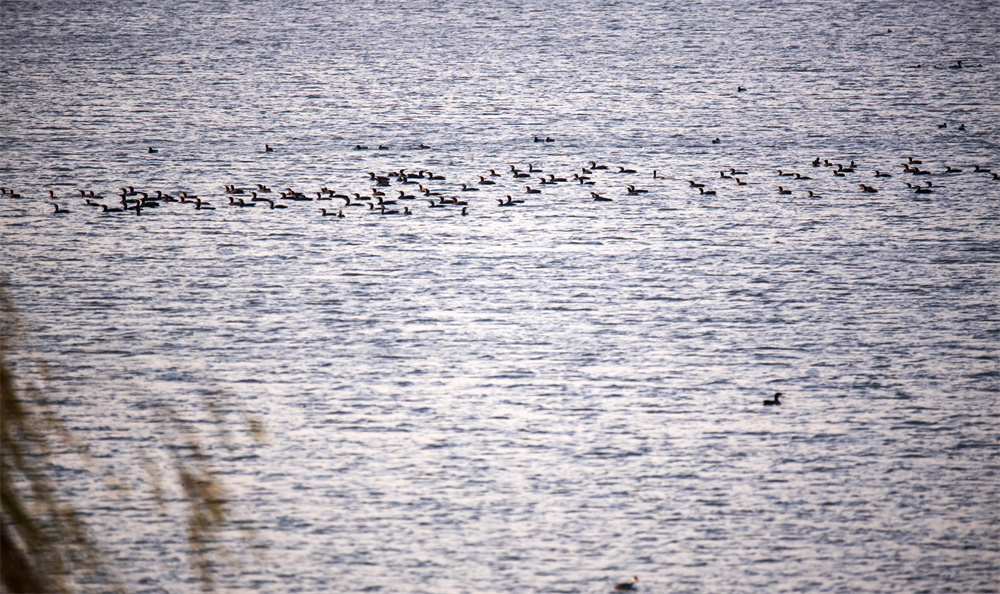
45,544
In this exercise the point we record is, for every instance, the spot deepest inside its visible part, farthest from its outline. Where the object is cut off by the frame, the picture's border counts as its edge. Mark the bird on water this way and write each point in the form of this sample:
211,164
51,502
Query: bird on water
773,401
633,585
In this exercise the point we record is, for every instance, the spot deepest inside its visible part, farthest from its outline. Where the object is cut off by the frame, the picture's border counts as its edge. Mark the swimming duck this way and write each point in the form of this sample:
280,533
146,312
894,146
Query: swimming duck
773,401
633,585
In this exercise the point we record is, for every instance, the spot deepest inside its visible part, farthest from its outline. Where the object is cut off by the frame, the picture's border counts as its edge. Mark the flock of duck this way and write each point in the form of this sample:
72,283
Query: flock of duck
395,192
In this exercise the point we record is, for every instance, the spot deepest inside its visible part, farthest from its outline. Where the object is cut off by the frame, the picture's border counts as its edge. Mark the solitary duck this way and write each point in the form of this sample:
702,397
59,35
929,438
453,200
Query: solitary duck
773,401
633,585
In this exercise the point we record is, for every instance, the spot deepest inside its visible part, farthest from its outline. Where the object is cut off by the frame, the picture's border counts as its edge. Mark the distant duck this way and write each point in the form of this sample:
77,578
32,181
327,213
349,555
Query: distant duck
868,189
695,185
633,585
784,174
598,198
739,183
329,214
465,211
913,161
733,171
359,147
923,190
105,208
950,169
716,141
656,176
740,89
979,169
632,190
797,176
816,162
435,204
537,139
549,139
705,192
466,188
594,165
962,127
530,190
405,196
486,182
531,169
268,149
880,174
274,206
783,190
811,195
422,146
623,170
494,173
406,210
944,125
151,150
553,179
773,401
59,210
383,147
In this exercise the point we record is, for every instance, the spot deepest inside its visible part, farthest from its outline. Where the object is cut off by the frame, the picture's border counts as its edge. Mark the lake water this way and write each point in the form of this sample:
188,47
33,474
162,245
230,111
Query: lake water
552,396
